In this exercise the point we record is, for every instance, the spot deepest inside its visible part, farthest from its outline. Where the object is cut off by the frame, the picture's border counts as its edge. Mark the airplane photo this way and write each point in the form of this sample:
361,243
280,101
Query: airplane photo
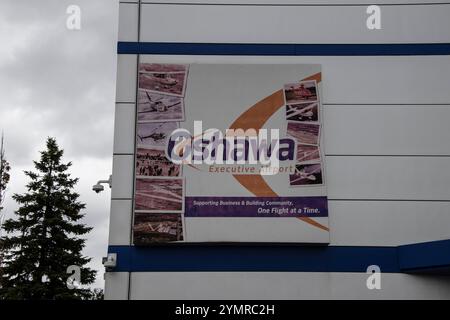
171,83
302,112
163,79
308,174
157,105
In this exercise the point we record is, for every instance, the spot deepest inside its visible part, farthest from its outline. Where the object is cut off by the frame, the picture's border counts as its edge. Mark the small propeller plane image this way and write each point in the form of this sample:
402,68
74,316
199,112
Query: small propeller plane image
163,79
306,112
157,105
155,136
304,175
307,174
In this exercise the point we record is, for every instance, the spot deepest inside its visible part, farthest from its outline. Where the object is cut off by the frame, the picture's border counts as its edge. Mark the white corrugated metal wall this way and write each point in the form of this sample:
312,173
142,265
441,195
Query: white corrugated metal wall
386,136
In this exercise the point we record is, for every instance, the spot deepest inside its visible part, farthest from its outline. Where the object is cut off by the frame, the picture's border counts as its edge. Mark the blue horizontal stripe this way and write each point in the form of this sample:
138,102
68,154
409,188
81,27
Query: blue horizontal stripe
254,258
426,256
421,257
255,49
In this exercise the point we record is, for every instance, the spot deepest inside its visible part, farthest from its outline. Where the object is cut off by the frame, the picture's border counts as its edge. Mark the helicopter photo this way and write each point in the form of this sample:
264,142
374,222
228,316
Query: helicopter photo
154,133
155,136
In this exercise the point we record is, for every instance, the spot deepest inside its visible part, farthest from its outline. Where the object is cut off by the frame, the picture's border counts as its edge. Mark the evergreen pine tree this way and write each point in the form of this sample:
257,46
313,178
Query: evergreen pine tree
44,239
4,176
4,179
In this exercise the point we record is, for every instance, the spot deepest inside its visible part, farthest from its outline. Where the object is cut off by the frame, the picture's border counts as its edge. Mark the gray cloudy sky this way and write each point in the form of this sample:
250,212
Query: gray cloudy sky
60,83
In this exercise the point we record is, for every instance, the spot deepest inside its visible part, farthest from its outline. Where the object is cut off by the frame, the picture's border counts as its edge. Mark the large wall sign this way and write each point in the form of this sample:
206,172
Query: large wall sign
229,153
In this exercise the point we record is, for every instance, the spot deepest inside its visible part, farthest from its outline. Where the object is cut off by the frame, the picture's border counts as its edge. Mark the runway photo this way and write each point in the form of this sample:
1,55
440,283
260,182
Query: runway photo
306,133
159,194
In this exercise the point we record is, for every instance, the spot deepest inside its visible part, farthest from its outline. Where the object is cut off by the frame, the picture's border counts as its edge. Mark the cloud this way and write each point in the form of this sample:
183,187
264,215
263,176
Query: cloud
60,83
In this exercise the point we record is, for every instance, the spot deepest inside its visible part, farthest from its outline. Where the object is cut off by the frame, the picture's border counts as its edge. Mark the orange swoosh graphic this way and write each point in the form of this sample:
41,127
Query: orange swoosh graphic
255,117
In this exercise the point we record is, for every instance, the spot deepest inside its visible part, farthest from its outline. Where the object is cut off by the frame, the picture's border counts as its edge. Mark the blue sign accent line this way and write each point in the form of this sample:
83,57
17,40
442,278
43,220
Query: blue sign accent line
256,49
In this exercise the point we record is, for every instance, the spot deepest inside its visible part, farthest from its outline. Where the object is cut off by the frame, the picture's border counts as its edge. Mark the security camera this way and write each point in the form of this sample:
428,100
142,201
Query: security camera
110,261
98,188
